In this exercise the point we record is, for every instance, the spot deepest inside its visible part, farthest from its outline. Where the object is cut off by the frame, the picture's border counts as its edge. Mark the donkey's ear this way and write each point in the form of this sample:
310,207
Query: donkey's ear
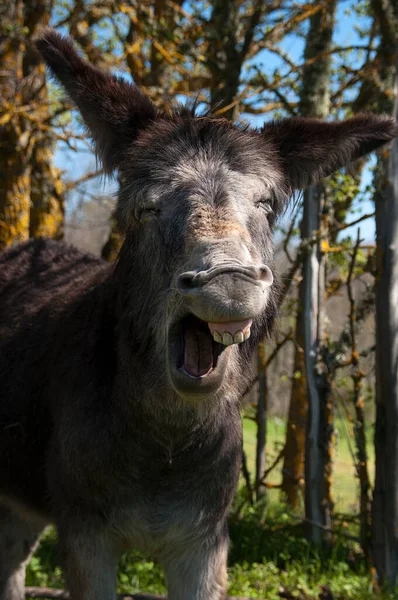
310,149
113,110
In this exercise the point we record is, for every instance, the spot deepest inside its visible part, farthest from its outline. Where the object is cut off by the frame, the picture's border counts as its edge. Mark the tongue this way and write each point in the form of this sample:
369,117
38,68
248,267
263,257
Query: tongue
198,352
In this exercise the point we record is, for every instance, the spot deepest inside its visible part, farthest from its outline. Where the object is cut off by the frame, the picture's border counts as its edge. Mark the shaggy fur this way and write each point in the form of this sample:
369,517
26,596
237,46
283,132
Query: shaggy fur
96,433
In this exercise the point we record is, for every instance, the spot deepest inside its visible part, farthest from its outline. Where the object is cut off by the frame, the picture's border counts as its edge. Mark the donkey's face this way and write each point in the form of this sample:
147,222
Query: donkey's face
198,199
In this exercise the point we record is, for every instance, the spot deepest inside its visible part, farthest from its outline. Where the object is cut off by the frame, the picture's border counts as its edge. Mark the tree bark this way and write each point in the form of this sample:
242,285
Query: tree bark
312,299
14,136
47,209
112,246
46,217
261,420
31,190
293,466
385,500
309,397
228,47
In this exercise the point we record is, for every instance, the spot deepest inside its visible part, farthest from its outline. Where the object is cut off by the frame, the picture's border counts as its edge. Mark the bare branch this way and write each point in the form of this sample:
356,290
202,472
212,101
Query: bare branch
340,227
274,464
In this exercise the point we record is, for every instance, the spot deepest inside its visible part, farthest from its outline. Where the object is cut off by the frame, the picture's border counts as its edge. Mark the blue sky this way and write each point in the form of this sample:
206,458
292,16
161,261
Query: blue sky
76,164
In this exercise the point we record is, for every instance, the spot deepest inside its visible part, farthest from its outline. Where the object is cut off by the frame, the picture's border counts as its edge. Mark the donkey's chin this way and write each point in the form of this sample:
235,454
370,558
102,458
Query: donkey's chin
198,354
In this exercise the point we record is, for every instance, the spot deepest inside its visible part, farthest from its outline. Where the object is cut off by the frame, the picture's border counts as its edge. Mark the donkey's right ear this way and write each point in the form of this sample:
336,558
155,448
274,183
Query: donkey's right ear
114,111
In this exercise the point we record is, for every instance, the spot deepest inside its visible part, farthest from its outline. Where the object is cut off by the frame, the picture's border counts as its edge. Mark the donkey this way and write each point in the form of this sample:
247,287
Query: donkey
121,385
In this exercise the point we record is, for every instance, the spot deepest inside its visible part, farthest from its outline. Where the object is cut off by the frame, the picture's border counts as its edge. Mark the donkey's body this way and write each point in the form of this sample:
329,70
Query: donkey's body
138,478
120,387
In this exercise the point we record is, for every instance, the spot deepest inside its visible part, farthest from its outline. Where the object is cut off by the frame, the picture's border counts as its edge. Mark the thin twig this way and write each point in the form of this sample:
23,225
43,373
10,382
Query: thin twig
288,337
274,464
324,527
339,227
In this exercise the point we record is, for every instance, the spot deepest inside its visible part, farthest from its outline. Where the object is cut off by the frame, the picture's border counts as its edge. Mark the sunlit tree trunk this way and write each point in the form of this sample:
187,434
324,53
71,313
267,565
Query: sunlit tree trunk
47,193
31,199
309,398
14,135
47,203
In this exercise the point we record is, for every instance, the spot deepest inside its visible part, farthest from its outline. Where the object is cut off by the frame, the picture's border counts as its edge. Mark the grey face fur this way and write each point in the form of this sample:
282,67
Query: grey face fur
204,217
120,386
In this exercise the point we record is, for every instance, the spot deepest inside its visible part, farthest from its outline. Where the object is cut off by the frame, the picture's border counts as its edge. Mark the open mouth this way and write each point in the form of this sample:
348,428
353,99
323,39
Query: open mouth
198,352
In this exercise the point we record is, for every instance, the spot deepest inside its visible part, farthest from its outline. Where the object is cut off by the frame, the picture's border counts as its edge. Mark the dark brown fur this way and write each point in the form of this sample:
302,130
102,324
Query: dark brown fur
100,432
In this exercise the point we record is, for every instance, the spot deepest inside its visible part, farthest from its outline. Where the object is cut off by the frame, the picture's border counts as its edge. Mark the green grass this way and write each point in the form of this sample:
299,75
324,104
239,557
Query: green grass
269,551
345,481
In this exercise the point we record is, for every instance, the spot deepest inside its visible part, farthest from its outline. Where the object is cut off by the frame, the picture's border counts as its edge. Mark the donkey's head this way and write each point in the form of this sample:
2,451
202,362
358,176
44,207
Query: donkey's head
197,201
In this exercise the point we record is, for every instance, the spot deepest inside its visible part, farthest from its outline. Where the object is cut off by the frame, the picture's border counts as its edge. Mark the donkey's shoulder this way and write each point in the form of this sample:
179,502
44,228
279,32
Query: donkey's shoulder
44,275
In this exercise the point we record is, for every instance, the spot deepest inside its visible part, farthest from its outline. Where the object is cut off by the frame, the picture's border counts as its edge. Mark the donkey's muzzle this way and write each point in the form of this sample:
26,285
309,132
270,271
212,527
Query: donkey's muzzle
226,292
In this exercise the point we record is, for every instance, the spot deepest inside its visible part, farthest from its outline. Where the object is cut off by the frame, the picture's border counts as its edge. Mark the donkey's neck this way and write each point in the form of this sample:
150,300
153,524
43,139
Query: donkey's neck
146,396
130,367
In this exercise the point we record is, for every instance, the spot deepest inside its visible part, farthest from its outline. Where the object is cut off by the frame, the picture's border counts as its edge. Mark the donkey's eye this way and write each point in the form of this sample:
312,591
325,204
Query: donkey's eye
265,204
144,213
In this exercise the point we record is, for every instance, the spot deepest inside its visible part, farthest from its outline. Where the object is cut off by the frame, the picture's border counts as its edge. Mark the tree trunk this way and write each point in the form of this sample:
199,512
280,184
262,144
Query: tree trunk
228,47
111,249
312,300
47,203
31,202
261,420
385,500
224,62
293,466
14,137
309,396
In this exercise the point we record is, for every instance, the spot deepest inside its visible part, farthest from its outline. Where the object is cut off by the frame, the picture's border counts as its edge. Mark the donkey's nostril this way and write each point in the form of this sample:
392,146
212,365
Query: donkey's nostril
266,275
185,281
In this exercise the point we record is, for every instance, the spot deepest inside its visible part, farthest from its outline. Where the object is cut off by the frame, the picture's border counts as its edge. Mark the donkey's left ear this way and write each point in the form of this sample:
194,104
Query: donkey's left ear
310,149
114,111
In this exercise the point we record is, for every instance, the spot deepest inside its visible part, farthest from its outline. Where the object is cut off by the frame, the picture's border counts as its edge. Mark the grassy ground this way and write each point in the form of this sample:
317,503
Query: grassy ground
345,483
269,558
